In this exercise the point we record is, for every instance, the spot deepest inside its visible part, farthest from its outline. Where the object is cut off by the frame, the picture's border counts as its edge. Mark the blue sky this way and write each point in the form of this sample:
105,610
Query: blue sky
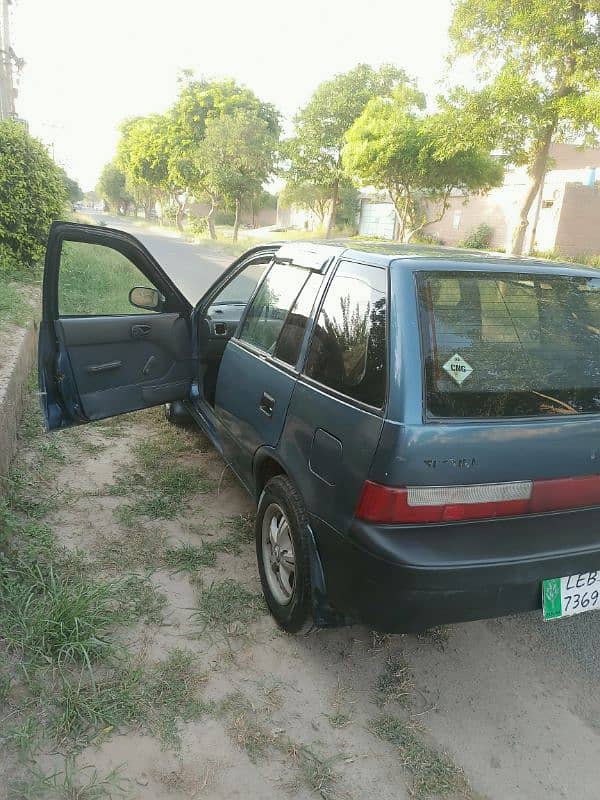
90,64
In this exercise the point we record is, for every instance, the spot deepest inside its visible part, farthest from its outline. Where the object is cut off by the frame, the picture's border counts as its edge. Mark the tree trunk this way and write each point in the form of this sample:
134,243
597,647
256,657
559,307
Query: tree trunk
236,222
210,219
179,213
334,205
537,172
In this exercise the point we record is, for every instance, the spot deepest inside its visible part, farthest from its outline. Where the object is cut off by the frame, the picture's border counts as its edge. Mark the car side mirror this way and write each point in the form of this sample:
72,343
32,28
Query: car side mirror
143,297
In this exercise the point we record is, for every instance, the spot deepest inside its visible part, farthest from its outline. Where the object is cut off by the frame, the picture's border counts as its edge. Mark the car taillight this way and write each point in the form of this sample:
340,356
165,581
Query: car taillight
416,504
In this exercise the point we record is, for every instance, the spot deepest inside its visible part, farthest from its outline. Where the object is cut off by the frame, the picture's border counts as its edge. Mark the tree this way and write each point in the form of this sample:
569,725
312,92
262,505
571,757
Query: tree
112,188
200,101
318,200
32,193
315,149
393,145
72,188
540,66
236,157
142,156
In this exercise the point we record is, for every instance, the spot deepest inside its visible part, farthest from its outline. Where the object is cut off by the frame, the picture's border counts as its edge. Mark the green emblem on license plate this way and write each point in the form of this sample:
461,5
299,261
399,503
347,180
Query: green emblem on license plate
551,598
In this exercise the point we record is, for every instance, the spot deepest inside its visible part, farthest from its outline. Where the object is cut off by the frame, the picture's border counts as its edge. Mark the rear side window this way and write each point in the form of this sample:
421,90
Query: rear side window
348,347
271,304
510,344
292,334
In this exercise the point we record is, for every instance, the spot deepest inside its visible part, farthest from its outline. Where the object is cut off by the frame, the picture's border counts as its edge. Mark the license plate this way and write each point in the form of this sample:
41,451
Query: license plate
563,597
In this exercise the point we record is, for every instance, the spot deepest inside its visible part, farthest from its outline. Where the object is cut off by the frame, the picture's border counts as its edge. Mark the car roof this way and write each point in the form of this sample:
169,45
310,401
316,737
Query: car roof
427,257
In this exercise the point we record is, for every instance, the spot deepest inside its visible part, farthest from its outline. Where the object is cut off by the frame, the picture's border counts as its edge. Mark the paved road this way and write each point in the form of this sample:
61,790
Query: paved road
192,267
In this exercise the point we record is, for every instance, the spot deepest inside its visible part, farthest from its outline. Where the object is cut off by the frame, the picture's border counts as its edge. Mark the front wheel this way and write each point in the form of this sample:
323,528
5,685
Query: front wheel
177,414
282,553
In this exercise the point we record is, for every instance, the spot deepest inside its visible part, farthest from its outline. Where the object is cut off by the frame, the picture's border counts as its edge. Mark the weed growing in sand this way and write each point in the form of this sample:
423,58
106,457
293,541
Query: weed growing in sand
226,607
190,558
394,684
433,772
70,783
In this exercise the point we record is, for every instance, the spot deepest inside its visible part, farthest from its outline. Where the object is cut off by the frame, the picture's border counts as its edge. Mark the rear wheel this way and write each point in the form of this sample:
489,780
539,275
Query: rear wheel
282,553
177,414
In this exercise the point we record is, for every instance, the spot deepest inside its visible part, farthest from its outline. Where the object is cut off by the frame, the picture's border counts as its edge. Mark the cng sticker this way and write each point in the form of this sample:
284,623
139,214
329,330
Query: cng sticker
457,368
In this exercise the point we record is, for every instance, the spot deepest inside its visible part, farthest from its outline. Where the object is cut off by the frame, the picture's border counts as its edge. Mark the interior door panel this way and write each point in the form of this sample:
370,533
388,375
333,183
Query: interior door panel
96,359
125,363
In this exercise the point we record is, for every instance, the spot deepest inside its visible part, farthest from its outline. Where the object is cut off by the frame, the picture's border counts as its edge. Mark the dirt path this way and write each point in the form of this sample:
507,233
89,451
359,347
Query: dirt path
207,698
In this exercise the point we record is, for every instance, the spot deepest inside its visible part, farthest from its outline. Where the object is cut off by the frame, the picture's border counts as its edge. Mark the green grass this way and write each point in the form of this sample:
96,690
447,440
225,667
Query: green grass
14,307
51,618
434,774
70,783
228,608
96,280
159,487
189,558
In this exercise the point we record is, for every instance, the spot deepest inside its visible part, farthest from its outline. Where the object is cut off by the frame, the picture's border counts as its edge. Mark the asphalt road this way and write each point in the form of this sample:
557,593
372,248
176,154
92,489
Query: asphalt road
193,267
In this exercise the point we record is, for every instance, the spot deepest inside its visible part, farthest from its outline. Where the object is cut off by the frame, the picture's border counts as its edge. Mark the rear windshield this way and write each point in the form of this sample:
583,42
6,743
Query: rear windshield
508,344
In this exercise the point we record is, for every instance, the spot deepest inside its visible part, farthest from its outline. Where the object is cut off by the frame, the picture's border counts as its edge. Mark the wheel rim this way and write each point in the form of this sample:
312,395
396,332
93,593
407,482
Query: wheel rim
279,559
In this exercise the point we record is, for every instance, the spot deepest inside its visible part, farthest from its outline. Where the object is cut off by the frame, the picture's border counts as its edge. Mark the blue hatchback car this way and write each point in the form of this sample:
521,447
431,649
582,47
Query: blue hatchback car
420,430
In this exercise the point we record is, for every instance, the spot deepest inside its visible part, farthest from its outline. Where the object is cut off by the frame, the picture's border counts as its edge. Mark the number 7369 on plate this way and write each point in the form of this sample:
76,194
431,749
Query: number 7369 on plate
563,597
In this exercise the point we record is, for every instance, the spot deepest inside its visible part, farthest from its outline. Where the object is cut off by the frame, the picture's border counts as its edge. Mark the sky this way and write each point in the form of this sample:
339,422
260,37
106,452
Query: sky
92,63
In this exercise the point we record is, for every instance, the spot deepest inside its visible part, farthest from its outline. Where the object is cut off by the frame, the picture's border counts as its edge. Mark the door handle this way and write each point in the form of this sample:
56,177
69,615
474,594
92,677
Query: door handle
94,368
139,331
267,404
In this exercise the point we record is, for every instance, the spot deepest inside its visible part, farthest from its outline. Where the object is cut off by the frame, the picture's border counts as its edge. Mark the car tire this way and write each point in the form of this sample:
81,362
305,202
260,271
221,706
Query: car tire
281,538
177,414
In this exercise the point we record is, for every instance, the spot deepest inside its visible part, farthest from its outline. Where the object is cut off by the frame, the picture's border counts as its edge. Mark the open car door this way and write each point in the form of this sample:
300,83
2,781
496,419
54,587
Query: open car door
115,332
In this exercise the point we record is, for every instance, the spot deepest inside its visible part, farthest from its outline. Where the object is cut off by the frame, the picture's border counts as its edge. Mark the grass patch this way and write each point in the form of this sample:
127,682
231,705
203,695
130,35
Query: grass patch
96,280
160,487
228,608
434,774
248,726
189,558
14,307
394,684
439,636
141,546
70,783
51,618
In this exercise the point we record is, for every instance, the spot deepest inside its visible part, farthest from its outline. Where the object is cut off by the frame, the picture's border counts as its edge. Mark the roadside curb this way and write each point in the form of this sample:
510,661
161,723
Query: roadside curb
13,386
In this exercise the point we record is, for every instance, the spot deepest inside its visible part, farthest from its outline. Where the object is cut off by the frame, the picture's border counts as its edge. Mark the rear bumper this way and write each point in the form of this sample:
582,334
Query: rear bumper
401,579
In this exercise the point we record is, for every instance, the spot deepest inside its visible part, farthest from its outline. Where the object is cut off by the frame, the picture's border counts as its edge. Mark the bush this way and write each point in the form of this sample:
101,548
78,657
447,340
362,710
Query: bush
198,226
32,193
479,238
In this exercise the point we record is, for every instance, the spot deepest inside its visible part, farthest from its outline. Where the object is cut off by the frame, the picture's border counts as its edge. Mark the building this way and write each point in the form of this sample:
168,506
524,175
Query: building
565,217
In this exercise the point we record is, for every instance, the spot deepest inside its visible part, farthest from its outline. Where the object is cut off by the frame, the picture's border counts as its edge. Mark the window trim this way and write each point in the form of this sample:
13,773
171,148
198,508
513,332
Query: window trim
378,410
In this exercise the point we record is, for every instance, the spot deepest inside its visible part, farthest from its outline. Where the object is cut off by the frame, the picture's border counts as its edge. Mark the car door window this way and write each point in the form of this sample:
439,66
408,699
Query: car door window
348,346
95,280
271,304
241,288
292,334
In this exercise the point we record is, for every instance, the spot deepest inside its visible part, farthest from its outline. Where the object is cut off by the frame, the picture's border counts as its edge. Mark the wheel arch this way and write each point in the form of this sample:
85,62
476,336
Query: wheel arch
266,466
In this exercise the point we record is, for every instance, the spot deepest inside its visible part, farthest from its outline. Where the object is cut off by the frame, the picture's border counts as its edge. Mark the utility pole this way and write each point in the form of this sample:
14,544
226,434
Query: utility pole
7,56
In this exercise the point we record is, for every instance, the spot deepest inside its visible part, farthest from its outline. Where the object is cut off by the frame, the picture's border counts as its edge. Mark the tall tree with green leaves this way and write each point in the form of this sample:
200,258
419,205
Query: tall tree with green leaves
72,188
315,150
236,157
199,101
539,64
395,146
142,155
112,188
